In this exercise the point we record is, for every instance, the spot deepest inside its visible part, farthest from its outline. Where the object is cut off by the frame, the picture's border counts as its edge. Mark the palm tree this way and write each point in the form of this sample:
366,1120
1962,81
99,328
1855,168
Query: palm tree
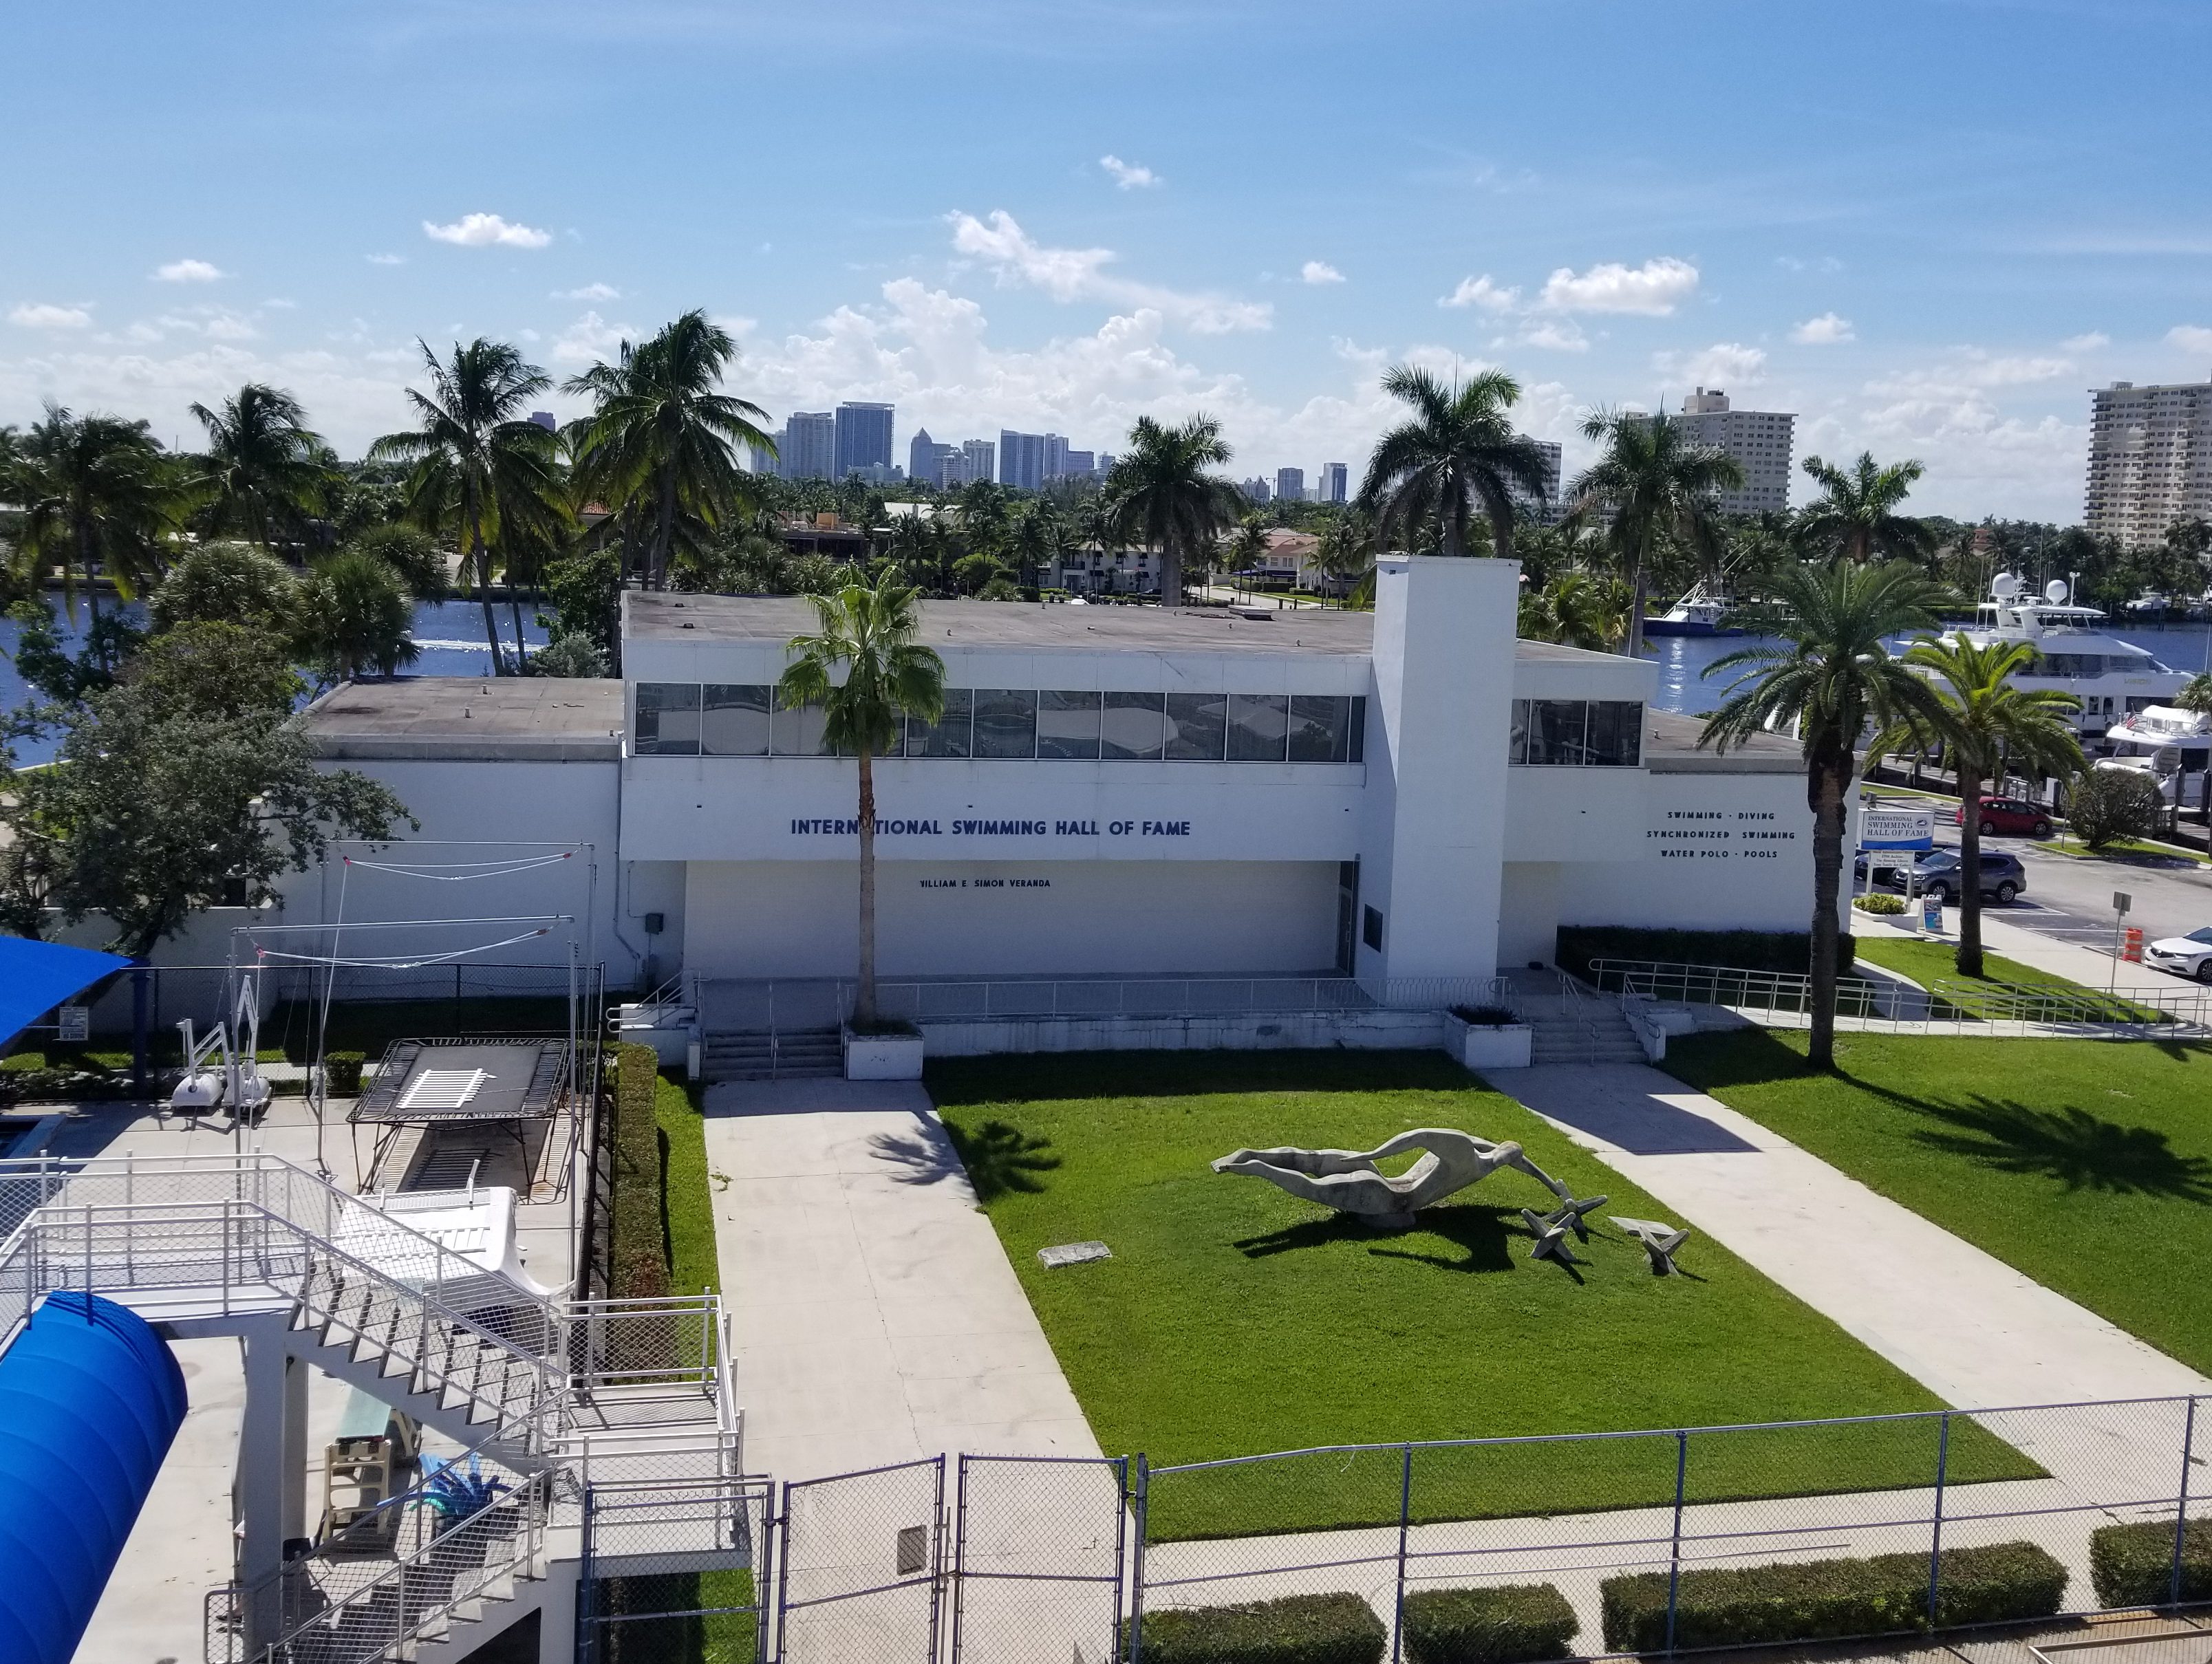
2197,694
264,466
97,494
1248,543
1459,457
355,613
1832,678
1577,608
1345,554
1986,724
661,434
869,633
478,465
1162,494
1655,483
1856,513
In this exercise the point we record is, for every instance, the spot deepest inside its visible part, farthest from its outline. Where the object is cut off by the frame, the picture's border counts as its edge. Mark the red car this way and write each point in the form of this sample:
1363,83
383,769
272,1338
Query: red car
2010,817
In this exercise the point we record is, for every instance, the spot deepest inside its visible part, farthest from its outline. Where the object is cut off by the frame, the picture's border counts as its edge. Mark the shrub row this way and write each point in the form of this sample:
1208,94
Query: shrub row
1299,1629
638,1263
1818,1599
2132,1565
1788,953
1879,901
1511,1624
341,1073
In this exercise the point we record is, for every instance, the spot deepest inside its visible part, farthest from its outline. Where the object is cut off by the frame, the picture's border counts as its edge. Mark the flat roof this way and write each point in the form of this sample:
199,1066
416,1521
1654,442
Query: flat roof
660,617
1670,747
461,719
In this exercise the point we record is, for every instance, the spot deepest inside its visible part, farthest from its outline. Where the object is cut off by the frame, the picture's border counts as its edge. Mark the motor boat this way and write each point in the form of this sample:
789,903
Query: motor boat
2074,652
1699,612
2172,746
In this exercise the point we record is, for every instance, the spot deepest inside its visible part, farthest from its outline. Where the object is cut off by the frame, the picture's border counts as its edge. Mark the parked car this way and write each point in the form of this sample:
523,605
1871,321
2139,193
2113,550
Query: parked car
2185,956
1937,873
2009,817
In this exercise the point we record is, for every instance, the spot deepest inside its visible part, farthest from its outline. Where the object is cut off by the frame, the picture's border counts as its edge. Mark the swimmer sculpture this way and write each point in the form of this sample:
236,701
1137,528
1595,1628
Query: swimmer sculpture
1348,1180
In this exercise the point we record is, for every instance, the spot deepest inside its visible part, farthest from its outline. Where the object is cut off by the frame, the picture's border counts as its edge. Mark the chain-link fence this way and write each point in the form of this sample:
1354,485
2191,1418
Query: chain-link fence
861,1573
1041,1546
676,1573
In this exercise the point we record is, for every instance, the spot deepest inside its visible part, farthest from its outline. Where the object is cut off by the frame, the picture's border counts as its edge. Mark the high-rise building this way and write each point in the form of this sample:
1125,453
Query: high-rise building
809,445
1078,465
931,464
977,461
1022,459
1289,485
1759,440
1335,478
1105,464
1545,509
543,419
2150,459
763,461
864,437
1258,491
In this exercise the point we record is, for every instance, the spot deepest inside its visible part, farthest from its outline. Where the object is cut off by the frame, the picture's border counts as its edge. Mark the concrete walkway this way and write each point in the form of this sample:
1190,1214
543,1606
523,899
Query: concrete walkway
1965,1325
876,1318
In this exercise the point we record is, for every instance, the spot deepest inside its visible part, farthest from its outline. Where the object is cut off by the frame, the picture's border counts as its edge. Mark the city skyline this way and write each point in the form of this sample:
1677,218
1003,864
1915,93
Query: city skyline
1928,267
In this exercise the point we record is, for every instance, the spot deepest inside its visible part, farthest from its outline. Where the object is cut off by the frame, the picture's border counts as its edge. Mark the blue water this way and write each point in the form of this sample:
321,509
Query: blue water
451,634
1682,659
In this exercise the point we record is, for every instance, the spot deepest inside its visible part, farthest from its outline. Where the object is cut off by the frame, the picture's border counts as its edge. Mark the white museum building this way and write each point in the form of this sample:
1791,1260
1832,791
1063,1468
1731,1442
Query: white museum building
1395,798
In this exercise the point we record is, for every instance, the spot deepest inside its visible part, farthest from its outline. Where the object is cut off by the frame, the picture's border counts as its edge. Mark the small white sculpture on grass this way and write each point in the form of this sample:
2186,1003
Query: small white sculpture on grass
1349,1180
1550,1231
1660,1241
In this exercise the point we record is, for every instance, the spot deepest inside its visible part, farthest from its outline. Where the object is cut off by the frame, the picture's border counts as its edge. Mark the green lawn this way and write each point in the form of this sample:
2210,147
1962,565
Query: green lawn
2086,1164
1234,1319
1928,962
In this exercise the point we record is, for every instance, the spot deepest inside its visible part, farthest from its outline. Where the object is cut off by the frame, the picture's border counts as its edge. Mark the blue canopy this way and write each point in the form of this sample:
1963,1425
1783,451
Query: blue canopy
37,976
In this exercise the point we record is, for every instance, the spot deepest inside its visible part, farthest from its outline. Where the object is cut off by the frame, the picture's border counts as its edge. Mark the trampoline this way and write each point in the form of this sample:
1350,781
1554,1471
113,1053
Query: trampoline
448,1090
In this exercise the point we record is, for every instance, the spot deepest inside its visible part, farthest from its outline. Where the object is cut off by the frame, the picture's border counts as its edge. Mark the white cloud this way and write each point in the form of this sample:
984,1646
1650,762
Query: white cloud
1080,274
1319,271
186,272
1128,176
590,339
32,315
385,259
2191,338
1481,292
487,231
1653,290
1725,363
1828,330
589,292
1558,335
2092,342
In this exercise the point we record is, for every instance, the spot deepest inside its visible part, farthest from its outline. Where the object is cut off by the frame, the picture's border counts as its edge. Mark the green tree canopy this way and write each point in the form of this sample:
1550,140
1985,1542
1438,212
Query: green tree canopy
1653,484
1457,459
226,582
1857,513
1164,495
354,615
265,471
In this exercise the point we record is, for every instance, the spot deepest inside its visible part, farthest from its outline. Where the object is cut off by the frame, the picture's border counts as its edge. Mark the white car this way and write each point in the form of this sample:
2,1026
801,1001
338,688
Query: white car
2185,956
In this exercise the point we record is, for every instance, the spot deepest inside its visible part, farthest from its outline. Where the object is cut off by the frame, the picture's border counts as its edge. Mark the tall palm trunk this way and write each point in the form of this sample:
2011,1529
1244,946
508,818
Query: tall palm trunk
84,565
1171,574
1830,780
514,610
664,533
1638,594
1970,869
482,554
864,1000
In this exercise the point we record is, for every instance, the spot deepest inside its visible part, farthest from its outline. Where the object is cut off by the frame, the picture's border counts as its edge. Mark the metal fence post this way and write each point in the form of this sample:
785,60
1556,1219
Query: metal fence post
1405,1523
2181,1507
1135,1649
1674,1554
1936,1535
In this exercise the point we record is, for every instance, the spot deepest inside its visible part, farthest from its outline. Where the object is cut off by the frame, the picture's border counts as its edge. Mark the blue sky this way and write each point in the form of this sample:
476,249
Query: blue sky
1928,227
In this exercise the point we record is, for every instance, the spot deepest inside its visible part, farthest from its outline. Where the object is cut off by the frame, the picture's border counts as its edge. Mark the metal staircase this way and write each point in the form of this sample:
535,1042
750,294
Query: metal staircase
548,1390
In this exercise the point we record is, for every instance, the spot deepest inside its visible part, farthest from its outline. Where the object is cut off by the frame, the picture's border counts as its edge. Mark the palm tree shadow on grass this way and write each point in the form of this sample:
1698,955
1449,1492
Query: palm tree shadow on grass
2082,1152
1001,1158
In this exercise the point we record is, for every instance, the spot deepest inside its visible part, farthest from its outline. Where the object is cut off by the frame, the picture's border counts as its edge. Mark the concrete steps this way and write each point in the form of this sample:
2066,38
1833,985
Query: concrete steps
1590,1030
785,1054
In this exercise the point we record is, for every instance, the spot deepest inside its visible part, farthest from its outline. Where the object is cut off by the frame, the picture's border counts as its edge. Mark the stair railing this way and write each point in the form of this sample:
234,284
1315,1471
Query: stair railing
1575,1007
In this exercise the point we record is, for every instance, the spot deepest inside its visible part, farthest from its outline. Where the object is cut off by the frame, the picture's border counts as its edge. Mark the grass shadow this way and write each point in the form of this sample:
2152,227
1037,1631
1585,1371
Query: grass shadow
2080,1150
1739,1057
1001,1159
1483,1235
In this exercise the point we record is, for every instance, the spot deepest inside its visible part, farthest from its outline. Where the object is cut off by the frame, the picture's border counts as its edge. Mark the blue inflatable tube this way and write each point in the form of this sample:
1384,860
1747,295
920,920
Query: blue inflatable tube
90,1398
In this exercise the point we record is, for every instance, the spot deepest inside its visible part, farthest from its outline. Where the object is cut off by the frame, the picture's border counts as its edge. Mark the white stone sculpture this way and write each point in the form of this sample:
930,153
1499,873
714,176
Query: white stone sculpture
1349,1182
1660,1241
1550,1231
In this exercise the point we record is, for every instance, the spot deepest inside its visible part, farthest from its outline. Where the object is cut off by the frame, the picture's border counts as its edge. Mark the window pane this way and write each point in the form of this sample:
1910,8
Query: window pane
1616,736
1258,725
797,731
1135,726
1198,727
667,720
1006,722
1517,741
947,736
1320,726
735,721
1556,730
1356,751
1371,932
1067,724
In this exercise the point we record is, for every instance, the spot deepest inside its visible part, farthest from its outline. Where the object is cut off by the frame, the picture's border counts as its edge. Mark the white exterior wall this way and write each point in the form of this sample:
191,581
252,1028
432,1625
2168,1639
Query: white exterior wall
951,918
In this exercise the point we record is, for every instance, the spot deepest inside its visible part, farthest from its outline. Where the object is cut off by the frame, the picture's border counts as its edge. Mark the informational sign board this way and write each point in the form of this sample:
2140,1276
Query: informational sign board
73,1023
1898,828
1931,913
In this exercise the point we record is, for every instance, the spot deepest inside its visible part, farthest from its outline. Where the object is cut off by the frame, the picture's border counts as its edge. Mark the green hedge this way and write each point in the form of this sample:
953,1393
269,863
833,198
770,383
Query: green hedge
1789,953
2132,1565
1512,1624
637,1248
341,1073
1821,1599
1299,1629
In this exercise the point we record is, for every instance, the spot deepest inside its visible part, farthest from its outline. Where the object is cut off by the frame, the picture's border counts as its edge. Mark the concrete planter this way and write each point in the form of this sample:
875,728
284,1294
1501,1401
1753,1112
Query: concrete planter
1485,1046
882,1057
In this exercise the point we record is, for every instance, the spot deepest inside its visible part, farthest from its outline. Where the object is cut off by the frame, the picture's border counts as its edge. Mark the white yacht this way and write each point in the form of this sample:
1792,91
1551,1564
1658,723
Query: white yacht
2112,678
1700,612
2171,745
